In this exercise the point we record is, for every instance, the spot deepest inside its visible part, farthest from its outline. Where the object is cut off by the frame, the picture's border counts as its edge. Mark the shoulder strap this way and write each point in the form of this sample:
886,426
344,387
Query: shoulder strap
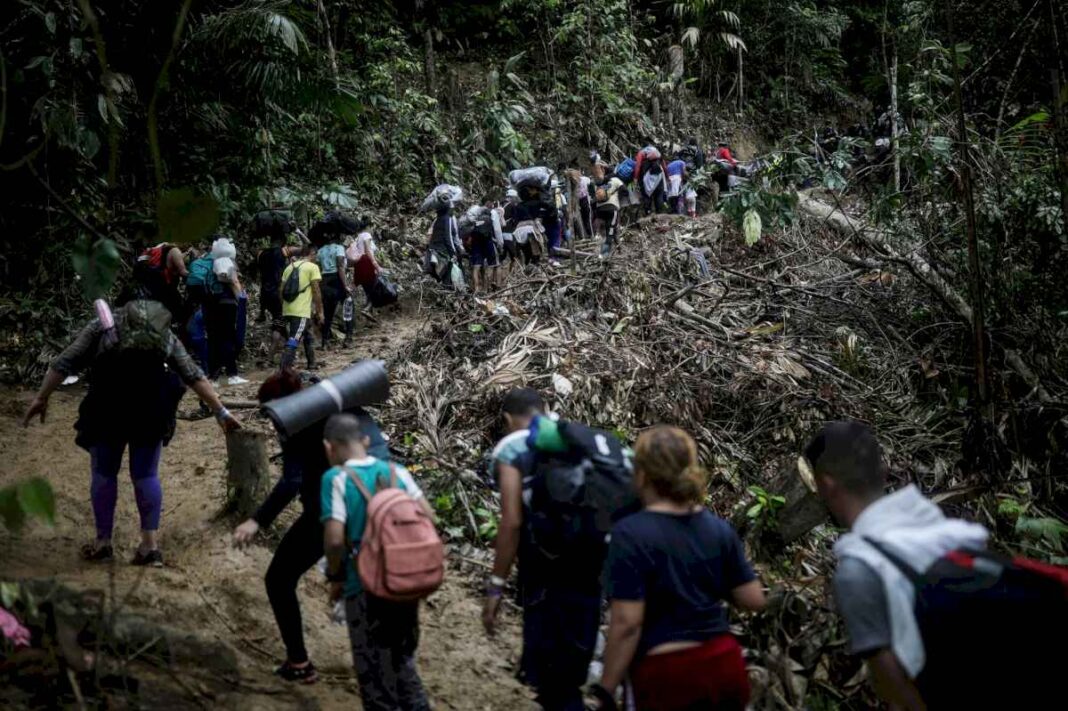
358,482
907,570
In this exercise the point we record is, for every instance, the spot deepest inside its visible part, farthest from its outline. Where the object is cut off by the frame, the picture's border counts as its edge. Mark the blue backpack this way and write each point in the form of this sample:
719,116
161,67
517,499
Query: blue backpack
202,276
625,170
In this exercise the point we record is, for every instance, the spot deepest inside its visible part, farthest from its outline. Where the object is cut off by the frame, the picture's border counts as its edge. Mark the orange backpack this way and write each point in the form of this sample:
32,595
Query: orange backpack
401,556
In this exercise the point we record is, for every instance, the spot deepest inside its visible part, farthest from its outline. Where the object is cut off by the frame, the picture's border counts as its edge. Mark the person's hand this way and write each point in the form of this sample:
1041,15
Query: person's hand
227,422
336,589
39,406
603,699
490,607
244,533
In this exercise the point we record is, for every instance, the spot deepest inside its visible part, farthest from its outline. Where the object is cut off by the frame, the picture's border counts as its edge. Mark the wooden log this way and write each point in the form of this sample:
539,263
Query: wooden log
248,470
922,270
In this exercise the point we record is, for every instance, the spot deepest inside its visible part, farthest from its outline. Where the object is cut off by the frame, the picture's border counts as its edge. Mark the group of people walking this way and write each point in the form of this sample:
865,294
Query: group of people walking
535,217
667,568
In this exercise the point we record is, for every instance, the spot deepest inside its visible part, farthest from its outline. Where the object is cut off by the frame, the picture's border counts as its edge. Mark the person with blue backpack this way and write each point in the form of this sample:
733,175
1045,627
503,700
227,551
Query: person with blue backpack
940,621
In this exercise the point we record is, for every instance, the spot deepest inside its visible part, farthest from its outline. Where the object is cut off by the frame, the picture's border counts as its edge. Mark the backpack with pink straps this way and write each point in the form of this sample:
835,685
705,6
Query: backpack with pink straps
401,556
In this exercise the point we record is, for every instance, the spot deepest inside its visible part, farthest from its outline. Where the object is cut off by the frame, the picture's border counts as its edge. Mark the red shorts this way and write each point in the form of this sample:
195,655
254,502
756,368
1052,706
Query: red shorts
709,677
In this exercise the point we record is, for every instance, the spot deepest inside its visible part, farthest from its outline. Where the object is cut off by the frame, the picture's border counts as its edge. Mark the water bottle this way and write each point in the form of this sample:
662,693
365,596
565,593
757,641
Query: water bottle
107,322
347,309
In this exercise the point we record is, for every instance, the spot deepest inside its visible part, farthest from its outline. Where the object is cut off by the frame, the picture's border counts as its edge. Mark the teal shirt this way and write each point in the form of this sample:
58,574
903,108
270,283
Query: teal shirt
342,501
328,258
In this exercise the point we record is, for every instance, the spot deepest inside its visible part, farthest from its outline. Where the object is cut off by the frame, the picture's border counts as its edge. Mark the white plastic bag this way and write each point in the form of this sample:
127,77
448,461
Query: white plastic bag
442,196
456,275
538,176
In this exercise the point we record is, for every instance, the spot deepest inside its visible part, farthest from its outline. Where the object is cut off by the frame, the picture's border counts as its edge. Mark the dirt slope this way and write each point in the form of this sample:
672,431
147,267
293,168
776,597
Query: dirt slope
211,589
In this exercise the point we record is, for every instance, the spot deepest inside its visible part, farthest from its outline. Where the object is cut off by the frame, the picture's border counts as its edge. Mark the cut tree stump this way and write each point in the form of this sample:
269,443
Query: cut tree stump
248,470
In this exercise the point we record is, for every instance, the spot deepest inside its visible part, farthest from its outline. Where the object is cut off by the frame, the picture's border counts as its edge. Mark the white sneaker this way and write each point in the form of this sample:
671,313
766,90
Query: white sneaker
236,380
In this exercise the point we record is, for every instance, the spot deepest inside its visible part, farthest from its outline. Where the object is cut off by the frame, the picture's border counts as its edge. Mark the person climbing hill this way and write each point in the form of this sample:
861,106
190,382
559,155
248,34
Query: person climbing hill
384,634
302,303
138,367
670,568
303,463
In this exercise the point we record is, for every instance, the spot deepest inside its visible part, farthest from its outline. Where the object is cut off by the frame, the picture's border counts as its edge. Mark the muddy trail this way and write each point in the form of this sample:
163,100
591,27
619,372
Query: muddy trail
214,591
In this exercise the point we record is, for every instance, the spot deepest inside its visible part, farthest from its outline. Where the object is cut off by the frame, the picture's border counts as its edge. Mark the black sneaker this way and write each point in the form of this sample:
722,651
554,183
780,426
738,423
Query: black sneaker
151,559
97,553
305,674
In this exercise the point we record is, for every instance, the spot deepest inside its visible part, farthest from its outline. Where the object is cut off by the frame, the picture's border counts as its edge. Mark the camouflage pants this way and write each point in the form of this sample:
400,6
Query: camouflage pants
384,636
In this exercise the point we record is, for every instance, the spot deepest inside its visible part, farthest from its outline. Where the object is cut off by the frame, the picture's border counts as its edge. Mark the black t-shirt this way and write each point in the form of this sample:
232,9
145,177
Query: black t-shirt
683,566
271,263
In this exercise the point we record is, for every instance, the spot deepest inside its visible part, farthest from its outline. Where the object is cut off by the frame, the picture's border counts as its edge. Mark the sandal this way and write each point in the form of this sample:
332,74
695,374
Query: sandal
305,674
97,553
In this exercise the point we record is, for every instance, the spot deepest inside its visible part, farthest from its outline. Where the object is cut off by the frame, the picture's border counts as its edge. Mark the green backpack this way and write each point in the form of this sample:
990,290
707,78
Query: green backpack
145,326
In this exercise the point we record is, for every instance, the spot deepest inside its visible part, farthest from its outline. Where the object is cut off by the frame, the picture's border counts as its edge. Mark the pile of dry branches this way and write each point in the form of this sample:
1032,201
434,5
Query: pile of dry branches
750,349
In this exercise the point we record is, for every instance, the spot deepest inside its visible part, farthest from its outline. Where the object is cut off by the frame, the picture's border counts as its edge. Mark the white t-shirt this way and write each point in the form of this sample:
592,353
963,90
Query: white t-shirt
364,244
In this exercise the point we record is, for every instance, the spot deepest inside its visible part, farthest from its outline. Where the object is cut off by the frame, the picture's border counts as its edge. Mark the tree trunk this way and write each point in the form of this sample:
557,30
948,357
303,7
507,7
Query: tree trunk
894,148
656,111
971,233
329,43
741,82
248,470
429,68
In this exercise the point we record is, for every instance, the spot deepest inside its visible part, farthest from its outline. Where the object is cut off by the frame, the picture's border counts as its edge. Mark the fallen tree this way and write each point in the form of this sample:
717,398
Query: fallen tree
874,239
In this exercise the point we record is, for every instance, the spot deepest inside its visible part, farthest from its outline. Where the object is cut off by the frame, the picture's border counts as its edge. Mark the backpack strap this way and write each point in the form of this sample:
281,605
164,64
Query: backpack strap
907,570
358,482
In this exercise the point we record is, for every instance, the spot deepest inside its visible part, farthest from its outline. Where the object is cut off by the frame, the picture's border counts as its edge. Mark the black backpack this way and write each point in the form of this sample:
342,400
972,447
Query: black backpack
291,289
270,223
990,626
576,496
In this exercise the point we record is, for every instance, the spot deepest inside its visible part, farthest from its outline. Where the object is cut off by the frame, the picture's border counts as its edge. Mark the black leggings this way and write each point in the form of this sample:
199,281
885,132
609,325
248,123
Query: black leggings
300,549
334,295
220,321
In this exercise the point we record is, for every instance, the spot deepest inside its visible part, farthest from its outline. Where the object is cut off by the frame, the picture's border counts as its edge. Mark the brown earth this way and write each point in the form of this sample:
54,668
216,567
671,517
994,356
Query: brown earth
213,590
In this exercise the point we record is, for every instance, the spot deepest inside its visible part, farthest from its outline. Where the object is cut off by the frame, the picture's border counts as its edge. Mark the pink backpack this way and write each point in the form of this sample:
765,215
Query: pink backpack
401,556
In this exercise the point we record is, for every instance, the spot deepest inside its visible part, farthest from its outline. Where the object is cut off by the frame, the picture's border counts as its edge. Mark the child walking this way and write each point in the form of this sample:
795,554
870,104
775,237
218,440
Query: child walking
383,634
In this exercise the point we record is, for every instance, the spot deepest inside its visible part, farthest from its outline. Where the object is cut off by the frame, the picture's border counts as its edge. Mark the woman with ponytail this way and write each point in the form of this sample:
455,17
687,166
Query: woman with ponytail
670,568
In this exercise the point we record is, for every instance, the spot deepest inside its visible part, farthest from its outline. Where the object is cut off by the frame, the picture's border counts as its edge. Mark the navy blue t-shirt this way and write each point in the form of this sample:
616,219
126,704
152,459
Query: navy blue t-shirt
683,566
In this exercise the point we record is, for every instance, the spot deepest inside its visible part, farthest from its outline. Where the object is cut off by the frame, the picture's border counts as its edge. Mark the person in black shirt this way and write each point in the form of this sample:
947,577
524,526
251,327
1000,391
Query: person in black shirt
670,568
303,464
271,262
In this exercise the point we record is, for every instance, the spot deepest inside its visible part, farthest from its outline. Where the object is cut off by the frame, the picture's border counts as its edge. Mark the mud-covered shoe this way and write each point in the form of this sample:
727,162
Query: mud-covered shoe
148,559
97,553
305,674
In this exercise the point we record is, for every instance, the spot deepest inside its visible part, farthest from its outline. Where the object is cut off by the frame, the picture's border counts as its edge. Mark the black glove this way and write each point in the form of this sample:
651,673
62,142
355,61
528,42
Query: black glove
606,700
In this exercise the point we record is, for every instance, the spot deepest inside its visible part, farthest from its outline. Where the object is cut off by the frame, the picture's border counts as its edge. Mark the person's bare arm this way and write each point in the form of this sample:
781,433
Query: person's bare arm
749,596
334,548
508,532
345,281
176,261
39,405
892,684
235,285
511,486
317,300
624,633
209,397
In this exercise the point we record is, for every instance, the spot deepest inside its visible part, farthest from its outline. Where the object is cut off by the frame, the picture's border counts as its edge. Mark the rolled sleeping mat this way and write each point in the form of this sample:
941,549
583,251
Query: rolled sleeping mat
365,383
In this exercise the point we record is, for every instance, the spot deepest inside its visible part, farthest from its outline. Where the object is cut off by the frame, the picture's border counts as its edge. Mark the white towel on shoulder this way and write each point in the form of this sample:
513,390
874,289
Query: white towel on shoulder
913,527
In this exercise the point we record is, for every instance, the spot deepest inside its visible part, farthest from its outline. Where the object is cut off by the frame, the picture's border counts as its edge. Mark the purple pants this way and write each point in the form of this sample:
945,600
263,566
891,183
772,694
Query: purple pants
106,459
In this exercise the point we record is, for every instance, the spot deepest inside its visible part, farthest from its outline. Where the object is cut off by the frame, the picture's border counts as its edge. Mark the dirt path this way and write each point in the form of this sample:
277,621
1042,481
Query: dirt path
213,590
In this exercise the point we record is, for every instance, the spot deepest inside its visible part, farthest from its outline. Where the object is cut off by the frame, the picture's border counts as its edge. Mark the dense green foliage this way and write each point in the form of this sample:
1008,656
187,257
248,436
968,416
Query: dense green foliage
136,121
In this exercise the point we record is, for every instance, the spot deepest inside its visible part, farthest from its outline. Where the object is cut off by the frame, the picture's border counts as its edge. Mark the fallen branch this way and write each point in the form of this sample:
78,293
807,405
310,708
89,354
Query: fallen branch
923,271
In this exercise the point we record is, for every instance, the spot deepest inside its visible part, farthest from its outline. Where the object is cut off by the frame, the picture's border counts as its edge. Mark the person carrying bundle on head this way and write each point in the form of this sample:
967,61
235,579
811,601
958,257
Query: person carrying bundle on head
650,173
